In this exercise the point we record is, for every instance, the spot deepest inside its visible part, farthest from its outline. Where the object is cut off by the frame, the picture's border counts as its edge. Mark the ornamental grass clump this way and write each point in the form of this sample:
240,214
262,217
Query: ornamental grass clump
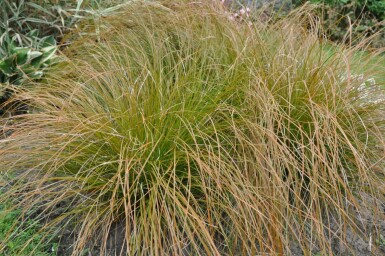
174,130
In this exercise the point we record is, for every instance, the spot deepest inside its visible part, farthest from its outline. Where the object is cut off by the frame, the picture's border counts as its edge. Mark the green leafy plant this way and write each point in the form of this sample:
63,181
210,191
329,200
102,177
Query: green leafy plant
187,132
24,240
25,63
26,51
29,32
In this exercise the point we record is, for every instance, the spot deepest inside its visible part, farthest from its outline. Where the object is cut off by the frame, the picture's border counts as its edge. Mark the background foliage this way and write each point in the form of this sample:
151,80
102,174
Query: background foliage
351,20
30,33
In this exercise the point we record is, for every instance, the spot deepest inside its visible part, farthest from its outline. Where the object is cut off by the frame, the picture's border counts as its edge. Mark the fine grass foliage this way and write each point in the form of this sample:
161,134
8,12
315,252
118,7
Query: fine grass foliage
199,135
